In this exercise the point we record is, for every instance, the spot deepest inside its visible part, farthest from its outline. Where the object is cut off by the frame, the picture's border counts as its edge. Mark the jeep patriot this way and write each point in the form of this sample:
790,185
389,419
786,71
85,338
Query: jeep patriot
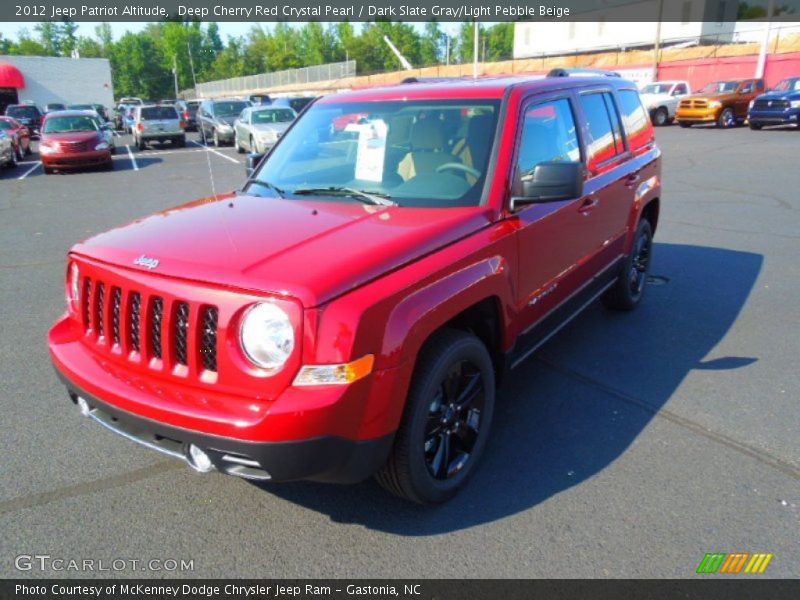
352,309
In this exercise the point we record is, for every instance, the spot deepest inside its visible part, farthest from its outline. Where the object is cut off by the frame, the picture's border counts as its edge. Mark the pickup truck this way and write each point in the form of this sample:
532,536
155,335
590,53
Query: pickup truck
722,103
158,123
660,98
351,310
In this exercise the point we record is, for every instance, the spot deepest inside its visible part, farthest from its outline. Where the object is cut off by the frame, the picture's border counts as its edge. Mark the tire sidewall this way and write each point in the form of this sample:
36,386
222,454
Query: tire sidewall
643,228
433,490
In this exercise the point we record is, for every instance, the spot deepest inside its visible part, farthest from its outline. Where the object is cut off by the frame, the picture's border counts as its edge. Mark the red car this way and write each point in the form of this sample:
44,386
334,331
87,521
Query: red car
20,136
71,140
351,310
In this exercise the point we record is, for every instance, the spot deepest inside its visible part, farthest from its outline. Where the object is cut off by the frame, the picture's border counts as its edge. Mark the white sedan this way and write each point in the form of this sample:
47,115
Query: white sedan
259,127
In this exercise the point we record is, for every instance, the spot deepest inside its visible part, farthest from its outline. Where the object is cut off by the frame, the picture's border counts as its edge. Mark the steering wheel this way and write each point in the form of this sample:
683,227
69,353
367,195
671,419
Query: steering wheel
455,166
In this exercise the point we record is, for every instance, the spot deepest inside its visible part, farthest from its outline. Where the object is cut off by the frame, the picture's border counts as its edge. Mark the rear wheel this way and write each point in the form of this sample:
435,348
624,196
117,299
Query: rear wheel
755,126
141,144
180,142
446,420
12,163
48,170
28,149
660,117
627,292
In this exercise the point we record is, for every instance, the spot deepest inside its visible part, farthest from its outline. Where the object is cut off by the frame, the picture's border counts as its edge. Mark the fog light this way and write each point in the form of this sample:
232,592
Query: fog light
199,460
83,405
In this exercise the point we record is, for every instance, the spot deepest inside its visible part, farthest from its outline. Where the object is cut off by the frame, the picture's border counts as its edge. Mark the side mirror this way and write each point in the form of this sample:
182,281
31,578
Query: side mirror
549,182
252,163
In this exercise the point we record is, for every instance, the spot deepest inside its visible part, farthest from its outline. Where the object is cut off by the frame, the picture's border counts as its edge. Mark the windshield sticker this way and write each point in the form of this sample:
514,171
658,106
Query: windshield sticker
371,150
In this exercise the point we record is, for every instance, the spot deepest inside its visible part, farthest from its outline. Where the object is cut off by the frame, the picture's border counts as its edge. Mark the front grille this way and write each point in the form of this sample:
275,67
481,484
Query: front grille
771,104
73,147
176,332
694,104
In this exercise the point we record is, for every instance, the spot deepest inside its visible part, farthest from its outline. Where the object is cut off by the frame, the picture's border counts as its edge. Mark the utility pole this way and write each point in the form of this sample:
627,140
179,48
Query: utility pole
657,49
191,64
475,46
403,60
175,72
761,66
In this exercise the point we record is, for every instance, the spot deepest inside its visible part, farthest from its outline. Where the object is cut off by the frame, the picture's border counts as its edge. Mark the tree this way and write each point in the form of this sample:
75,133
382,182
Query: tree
89,48
500,43
139,69
68,37
431,46
49,37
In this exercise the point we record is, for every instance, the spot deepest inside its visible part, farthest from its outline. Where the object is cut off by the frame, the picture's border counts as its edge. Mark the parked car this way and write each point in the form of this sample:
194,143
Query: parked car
128,118
72,140
661,98
215,119
158,123
106,130
723,103
258,128
8,156
52,106
351,310
779,106
188,111
20,136
27,114
296,103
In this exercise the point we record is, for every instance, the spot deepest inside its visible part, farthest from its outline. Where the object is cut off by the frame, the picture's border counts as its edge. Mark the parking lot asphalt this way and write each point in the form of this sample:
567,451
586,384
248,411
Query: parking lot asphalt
629,446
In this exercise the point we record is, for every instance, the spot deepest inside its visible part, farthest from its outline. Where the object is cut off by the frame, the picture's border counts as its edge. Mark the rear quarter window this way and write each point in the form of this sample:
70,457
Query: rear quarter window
159,112
634,119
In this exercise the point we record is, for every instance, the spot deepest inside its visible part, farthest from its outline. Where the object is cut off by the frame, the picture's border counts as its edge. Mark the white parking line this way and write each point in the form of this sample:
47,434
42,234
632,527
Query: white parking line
207,149
133,160
29,171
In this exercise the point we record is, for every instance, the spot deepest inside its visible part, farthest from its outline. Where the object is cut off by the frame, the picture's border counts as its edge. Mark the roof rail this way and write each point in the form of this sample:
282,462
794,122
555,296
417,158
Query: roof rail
562,72
429,79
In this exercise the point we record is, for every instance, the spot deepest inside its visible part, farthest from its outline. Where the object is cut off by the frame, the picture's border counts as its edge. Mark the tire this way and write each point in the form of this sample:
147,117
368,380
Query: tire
141,144
660,117
215,139
180,142
727,118
684,124
12,164
418,468
113,150
238,144
627,292
28,150
18,153
755,126
48,170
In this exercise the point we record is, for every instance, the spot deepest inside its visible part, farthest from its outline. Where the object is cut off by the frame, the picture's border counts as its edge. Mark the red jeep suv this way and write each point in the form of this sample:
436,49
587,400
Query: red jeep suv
352,309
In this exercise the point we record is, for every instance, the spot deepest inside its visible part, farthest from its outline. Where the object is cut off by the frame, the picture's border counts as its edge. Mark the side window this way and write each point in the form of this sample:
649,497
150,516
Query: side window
760,85
634,119
602,144
680,90
548,134
746,88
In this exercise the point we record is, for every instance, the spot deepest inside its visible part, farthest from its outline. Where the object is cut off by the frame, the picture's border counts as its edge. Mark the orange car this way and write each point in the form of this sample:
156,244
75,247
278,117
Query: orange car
722,102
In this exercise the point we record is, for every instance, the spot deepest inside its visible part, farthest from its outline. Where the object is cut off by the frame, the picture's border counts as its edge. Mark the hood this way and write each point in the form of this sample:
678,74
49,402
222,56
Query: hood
653,98
226,120
717,96
73,136
785,95
313,250
279,127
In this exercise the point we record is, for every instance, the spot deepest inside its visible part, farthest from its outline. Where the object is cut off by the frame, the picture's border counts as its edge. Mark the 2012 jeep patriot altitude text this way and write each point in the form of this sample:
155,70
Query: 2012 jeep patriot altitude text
352,309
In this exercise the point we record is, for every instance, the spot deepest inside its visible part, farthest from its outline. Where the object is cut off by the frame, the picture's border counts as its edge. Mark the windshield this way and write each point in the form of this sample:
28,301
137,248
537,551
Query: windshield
429,153
69,124
29,112
80,107
229,109
153,113
720,87
657,88
273,115
5,124
788,85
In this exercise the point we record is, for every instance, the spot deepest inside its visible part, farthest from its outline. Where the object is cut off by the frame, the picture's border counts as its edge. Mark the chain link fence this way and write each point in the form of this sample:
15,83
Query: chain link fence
266,81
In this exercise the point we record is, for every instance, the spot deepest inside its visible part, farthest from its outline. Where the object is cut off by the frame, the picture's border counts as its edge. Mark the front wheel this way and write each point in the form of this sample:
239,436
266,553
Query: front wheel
726,118
627,292
446,420
755,126
660,117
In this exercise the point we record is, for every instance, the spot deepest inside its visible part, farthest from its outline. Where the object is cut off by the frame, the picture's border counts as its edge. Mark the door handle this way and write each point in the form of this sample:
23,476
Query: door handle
632,180
587,205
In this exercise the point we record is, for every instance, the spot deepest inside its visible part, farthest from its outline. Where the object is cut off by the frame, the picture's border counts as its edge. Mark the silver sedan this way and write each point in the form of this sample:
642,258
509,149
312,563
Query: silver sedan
259,127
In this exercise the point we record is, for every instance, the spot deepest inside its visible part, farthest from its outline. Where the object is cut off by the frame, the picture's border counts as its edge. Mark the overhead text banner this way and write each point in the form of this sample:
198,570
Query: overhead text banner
394,10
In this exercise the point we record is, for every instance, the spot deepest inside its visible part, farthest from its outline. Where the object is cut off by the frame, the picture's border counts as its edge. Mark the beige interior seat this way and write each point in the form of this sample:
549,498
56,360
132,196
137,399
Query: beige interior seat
427,150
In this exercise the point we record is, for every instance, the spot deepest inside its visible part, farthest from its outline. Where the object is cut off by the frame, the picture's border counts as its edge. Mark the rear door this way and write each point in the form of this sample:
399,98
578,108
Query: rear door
160,120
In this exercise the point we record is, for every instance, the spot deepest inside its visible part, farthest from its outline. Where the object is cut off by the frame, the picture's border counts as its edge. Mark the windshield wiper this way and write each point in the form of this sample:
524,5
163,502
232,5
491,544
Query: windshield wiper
268,185
367,197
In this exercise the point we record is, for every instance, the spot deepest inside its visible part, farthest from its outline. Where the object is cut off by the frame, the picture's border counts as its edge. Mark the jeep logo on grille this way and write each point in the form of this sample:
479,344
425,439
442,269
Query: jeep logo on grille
146,261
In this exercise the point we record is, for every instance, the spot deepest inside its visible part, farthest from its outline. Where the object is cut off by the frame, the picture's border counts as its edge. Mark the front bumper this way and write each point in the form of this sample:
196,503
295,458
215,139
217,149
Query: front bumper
326,433
775,117
225,135
76,160
697,115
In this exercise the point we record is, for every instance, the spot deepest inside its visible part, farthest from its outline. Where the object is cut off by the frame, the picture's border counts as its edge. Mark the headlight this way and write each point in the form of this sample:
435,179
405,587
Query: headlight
715,104
73,287
101,146
267,336
224,127
794,103
46,149
750,106
267,135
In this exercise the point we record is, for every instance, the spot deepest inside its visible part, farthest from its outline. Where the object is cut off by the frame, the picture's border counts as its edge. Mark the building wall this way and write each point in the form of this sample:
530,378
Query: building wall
67,80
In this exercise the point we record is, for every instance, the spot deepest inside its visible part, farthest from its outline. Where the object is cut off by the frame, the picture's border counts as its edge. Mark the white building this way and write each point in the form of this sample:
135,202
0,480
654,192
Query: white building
43,80
692,21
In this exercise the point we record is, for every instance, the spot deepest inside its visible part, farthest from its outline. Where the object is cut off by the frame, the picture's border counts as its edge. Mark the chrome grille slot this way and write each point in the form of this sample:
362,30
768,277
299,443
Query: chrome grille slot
156,318
181,332
135,320
208,345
